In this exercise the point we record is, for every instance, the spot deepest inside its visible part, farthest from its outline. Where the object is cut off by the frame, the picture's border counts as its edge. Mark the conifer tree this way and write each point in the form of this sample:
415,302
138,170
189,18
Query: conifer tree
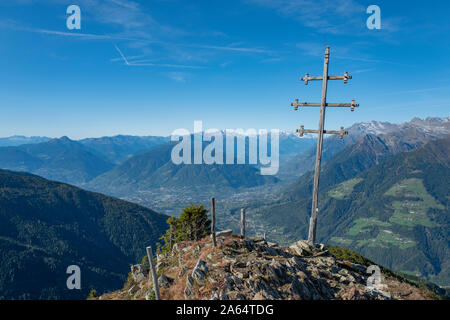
193,224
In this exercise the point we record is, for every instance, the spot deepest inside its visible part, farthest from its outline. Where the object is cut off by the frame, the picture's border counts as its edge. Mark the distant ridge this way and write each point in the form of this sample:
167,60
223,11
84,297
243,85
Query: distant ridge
415,133
16,140
58,159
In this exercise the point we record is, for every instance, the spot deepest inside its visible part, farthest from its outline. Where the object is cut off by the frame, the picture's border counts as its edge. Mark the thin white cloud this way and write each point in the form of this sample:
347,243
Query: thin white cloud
136,29
166,65
71,34
177,76
369,60
230,48
422,90
325,16
350,52
125,4
363,71
128,58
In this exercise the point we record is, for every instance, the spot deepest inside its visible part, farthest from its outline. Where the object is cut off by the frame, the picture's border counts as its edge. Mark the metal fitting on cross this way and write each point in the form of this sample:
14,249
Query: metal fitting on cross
295,104
342,133
306,78
353,105
301,131
346,77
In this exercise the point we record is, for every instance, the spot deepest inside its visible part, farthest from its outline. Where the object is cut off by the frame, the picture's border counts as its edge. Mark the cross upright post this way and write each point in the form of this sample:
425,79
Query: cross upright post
323,105
313,221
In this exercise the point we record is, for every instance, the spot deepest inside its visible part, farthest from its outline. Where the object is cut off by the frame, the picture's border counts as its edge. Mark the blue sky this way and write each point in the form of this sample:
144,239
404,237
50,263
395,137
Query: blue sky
232,64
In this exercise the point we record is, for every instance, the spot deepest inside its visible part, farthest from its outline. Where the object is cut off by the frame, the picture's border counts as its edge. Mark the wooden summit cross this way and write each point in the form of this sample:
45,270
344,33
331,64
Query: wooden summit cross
323,104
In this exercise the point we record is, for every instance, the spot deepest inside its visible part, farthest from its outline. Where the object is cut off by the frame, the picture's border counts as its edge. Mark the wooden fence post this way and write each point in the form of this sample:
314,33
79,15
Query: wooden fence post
242,223
152,268
213,221
171,236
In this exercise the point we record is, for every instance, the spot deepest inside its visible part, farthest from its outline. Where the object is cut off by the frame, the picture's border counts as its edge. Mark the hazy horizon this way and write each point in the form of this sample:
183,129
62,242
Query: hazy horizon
188,128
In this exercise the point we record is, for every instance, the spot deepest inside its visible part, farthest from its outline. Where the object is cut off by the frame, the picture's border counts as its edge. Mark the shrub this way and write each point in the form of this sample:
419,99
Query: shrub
92,294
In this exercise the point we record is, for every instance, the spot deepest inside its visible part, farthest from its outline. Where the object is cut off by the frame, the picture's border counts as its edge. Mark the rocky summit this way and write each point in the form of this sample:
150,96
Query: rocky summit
254,269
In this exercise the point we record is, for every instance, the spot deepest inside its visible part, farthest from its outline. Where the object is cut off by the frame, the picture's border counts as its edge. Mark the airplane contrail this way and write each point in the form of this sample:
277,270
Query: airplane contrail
143,63
124,58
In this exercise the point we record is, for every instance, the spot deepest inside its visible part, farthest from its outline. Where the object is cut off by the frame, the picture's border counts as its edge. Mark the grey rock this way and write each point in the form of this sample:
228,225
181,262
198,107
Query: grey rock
139,272
163,281
215,296
138,277
160,265
224,296
271,251
189,290
133,289
200,271
237,281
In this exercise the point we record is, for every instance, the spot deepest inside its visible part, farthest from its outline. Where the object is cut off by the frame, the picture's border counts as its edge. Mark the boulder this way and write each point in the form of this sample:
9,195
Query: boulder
139,272
301,248
199,272
224,233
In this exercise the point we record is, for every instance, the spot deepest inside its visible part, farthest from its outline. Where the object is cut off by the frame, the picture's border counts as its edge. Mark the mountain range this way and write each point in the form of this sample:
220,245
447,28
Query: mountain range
71,161
79,162
46,226
119,148
383,193
397,212
413,133
57,159
417,214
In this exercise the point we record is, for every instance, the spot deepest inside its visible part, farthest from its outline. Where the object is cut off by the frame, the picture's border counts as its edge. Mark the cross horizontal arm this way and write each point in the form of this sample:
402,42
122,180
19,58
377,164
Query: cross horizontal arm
307,78
341,132
351,105
340,78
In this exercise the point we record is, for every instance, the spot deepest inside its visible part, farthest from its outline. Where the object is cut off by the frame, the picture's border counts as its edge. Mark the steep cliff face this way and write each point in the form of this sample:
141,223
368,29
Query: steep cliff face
253,269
